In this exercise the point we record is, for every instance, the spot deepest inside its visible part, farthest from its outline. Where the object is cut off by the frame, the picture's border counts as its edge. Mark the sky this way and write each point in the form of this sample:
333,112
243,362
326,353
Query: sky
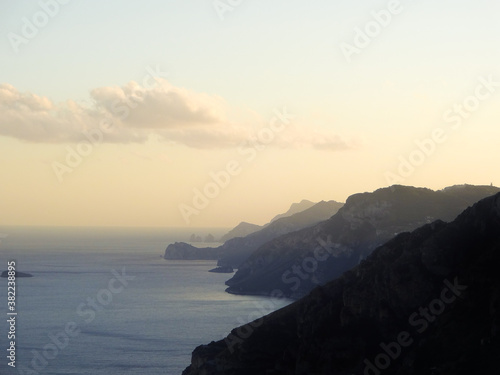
206,113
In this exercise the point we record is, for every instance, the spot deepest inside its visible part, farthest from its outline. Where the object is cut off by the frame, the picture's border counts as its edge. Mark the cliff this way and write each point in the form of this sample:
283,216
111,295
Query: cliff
234,251
426,302
297,262
237,250
182,250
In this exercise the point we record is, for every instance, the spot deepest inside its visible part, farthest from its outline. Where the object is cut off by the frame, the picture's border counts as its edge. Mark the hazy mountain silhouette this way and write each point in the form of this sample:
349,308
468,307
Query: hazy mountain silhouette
426,302
294,209
244,229
241,230
297,262
237,250
234,251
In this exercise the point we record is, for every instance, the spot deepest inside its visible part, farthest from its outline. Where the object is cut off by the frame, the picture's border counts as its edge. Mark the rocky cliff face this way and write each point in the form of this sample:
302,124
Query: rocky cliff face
297,262
426,302
236,250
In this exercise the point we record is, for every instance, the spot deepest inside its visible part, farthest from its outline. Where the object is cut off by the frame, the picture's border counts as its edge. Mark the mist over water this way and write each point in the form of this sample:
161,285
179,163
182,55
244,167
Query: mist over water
147,324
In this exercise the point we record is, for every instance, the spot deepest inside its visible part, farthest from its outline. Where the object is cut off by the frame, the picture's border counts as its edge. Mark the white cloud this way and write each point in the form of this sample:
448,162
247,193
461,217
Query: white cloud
162,107
168,113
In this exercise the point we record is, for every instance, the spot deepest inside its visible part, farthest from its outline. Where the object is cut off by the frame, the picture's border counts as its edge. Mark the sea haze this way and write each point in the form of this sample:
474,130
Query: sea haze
150,327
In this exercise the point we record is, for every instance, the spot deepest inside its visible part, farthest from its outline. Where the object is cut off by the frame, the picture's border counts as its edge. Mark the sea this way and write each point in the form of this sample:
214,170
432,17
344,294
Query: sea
103,301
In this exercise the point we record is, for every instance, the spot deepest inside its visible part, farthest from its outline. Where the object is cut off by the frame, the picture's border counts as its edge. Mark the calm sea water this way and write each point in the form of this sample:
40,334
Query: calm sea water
146,325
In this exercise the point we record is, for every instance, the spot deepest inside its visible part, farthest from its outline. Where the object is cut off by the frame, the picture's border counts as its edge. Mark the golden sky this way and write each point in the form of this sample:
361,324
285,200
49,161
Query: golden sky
175,114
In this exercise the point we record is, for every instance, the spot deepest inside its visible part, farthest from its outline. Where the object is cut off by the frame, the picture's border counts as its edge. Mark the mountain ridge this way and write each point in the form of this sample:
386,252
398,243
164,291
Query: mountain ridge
425,302
234,251
364,222
241,230
295,208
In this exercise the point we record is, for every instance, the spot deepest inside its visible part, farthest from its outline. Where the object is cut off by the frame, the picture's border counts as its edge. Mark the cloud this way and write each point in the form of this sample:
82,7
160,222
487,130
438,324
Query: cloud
162,107
165,112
